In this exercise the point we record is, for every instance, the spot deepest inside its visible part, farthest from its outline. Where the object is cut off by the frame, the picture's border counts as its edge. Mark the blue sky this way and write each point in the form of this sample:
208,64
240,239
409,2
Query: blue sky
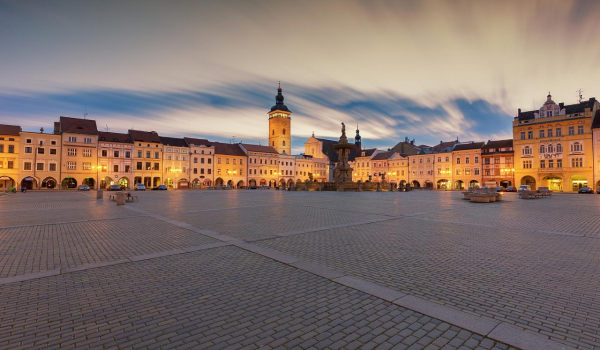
428,70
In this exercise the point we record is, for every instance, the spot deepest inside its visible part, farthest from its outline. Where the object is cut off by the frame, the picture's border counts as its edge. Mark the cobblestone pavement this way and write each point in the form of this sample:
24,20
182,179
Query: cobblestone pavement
298,270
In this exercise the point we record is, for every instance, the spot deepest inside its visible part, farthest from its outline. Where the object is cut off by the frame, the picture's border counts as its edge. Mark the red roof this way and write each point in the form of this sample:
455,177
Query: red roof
113,137
229,149
78,125
259,148
144,136
197,142
383,155
13,130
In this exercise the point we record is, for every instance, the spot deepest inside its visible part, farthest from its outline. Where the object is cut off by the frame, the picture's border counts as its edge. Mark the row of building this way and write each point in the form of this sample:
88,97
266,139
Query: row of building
557,146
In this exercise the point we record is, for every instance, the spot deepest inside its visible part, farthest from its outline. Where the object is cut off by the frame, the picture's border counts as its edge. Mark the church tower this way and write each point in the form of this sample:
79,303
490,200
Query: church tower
280,125
357,139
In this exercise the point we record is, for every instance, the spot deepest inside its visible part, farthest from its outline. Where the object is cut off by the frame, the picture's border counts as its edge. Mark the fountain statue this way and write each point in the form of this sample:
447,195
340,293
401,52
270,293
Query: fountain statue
342,172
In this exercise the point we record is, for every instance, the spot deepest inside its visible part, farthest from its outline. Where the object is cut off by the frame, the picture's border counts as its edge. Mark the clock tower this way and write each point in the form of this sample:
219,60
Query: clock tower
280,125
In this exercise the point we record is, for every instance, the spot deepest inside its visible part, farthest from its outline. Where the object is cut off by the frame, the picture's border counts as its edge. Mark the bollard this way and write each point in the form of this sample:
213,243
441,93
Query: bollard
100,194
379,187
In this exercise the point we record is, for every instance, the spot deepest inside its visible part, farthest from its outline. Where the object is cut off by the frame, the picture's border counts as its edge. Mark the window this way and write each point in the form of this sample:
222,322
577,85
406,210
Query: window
28,141
234,161
283,131
457,160
87,166
116,168
116,154
148,166
72,151
527,164
447,159
542,164
139,154
52,166
40,166
551,164
156,166
420,160
467,171
542,149
218,171
576,162
127,168
11,149
522,135
87,152
576,147
72,138
273,132
549,132
284,143
486,161
210,161
2,148
226,160
467,160
530,135
53,151
559,148
208,171
71,165
127,154
580,129
10,164
476,160
27,166
571,130
28,149
53,143
148,154
550,148
104,153
156,155
559,163
439,160
195,160
542,134
526,150
138,166
87,140
458,172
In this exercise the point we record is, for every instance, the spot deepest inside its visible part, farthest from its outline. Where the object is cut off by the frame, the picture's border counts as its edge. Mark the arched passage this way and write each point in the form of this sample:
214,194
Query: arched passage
428,184
89,181
240,184
183,184
29,183
443,184
219,182
459,185
415,183
69,183
577,182
252,182
169,182
553,182
124,181
49,183
529,180
6,182
474,184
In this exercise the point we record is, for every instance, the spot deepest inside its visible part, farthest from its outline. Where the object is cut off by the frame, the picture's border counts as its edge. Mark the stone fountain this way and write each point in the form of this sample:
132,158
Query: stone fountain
343,172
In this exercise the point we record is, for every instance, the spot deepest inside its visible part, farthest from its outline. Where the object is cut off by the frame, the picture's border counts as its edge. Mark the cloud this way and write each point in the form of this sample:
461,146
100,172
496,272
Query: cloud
223,111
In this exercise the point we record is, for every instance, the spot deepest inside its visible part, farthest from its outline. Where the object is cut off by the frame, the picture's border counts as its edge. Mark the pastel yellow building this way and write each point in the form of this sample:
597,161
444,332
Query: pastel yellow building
553,146
467,165
263,165
230,165
40,160
79,141
362,165
9,155
420,168
398,169
147,156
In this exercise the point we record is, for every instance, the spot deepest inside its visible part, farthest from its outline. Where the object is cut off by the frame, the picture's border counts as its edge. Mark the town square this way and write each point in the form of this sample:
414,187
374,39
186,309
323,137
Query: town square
300,175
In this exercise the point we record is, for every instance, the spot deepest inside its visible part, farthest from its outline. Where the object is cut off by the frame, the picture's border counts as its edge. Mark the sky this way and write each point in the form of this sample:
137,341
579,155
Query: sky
426,70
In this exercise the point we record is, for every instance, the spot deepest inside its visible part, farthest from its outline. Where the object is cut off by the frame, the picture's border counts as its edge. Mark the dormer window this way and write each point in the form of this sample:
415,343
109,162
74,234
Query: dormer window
548,113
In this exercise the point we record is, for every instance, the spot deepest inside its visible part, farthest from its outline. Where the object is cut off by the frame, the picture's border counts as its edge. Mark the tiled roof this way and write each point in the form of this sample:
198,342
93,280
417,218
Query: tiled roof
114,137
596,122
259,148
405,148
468,146
144,136
368,152
197,142
230,149
12,130
173,141
569,109
498,144
330,152
383,155
444,146
79,126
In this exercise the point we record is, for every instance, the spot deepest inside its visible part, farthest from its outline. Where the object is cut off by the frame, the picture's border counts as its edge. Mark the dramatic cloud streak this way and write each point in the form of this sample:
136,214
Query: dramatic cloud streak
429,70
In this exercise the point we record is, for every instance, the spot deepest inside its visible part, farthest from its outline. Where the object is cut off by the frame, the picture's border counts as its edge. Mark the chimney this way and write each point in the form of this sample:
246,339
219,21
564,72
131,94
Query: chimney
56,128
519,111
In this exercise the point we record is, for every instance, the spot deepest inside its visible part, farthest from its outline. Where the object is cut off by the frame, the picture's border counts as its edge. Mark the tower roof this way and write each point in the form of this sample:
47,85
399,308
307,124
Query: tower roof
279,105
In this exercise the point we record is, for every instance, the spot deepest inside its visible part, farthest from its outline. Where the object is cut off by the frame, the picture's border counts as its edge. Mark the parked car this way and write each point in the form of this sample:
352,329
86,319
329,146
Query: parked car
114,188
524,188
140,187
83,188
253,187
265,187
160,188
586,190
598,191
510,189
499,188
123,188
